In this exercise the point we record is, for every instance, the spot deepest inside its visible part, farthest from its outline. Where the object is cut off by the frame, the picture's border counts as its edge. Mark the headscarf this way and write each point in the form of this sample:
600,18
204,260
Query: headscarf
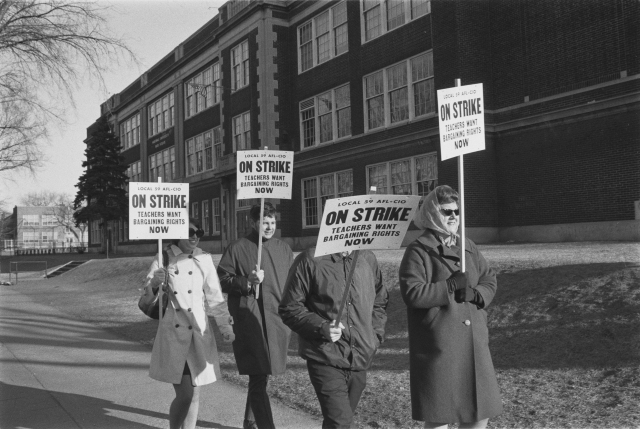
429,216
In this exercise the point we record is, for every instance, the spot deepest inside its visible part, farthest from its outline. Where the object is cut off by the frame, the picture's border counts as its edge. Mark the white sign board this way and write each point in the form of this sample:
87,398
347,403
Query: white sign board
365,222
264,174
461,119
158,210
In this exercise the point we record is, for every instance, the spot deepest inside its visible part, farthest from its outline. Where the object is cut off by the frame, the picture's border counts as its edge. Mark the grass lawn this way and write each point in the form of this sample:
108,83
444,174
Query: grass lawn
563,330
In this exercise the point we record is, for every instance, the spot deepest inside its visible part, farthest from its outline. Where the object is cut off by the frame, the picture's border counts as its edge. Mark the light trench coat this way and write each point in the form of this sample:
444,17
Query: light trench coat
184,334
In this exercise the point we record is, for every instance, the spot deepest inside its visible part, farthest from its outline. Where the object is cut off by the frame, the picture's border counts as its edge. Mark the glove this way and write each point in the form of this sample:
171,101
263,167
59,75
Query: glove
227,333
457,281
467,294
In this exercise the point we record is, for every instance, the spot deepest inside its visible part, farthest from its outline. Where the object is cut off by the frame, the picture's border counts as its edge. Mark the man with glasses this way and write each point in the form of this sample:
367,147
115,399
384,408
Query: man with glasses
262,340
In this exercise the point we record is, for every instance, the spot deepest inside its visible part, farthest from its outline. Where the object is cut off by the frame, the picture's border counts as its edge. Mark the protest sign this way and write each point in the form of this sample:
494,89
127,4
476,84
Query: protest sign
264,174
461,119
158,210
365,222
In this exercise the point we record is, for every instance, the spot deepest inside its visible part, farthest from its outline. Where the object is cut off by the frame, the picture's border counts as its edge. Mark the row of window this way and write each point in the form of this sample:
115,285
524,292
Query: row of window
39,220
210,215
39,237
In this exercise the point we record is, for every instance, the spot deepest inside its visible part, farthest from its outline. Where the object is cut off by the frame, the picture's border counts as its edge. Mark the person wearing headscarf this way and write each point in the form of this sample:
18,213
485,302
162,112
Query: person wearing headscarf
452,379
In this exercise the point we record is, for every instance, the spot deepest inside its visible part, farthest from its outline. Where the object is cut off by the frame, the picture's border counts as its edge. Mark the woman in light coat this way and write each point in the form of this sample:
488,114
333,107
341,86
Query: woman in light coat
184,351
452,378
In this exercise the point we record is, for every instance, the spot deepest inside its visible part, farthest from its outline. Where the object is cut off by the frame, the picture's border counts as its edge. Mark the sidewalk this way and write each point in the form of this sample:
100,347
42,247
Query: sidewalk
61,373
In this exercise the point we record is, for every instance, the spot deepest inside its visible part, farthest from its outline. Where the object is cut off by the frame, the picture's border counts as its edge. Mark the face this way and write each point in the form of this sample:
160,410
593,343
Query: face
451,221
191,243
268,226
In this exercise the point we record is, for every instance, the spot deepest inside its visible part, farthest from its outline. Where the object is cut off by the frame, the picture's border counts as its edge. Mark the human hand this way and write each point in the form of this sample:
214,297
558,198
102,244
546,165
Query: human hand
331,331
256,277
158,277
467,294
227,333
457,281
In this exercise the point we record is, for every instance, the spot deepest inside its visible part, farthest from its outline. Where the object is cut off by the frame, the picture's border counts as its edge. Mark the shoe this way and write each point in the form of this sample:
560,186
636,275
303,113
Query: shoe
249,424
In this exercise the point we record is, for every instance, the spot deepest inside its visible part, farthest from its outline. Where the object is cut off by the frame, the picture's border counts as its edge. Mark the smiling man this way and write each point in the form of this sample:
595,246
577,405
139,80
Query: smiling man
261,343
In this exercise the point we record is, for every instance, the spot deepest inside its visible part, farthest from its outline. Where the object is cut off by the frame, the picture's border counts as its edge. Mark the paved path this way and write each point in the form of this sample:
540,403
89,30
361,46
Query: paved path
57,372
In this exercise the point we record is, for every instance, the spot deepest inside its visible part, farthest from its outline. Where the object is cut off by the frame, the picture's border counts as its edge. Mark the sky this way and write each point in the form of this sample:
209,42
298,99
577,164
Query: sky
151,29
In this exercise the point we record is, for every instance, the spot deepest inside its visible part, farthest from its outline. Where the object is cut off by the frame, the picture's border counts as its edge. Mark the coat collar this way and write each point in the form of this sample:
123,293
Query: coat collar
429,240
177,251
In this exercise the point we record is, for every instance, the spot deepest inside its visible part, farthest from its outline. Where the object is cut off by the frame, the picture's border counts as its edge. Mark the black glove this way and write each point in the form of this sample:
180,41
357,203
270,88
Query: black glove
467,294
457,281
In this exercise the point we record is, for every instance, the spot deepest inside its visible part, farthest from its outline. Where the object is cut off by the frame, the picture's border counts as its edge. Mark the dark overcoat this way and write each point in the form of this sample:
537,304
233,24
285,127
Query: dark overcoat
452,377
262,339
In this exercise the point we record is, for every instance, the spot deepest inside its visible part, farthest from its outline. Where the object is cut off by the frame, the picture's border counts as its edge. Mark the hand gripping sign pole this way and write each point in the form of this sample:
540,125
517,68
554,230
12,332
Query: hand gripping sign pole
461,120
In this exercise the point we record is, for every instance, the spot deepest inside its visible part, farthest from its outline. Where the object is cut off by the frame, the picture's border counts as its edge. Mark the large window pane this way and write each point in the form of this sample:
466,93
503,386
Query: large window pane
401,177
395,13
378,178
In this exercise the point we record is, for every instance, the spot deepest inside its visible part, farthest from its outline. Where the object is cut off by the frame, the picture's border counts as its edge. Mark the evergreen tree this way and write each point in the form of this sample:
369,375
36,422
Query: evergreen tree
102,194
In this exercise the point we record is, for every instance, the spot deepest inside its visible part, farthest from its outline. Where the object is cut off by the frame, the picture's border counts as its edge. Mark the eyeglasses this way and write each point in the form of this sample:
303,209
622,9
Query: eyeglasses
197,232
449,212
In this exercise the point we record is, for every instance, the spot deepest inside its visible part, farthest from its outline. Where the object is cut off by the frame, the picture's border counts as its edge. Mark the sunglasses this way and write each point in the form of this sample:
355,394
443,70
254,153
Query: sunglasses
449,212
197,232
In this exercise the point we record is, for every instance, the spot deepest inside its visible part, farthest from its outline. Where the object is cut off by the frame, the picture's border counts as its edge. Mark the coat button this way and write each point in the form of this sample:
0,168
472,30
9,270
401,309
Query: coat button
467,322
189,291
177,326
457,264
175,292
190,256
189,309
190,272
177,272
190,327
177,309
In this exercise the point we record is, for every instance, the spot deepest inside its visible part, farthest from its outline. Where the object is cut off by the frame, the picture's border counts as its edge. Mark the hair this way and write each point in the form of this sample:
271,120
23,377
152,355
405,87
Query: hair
269,211
446,194
193,221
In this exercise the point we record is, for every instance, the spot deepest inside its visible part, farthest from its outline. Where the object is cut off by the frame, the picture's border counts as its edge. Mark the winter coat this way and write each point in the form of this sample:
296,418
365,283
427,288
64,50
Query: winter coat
451,372
262,339
184,334
313,295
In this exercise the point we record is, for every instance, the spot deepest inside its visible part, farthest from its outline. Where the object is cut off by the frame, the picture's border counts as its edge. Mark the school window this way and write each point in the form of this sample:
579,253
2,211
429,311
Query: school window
96,232
202,91
134,172
400,93
217,219
242,132
29,237
194,210
30,220
411,176
240,65
47,236
205,216
317,190
130,132
380,16
161,114
325,117
49,220
203,151
323,37
163,164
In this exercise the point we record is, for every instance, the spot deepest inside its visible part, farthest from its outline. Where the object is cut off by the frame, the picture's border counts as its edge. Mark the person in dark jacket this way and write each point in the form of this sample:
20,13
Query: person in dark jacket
338,353
261,339
451,372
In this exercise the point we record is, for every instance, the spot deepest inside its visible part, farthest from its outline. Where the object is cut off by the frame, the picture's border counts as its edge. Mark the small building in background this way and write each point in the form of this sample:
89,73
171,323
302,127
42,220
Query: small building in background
48,229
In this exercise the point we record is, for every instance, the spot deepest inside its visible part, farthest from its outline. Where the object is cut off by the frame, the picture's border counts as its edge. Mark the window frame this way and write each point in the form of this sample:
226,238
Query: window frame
130,132
168,158
334,112
195,210
413,173
332,40
383,21
318,196
216,217
162,110
386,92
191,151
194,101
244,136
205,216
137,175
31,222
240,70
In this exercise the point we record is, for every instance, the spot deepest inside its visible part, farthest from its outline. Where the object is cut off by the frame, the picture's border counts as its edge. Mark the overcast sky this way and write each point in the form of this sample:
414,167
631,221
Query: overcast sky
151,28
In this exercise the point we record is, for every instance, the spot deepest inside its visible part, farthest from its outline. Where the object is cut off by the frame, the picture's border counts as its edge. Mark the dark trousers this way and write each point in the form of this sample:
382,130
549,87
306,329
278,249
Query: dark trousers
338,391
258,407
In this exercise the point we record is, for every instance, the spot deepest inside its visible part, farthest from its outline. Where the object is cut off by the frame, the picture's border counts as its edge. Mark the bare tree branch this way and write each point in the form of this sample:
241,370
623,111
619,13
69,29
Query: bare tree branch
46,47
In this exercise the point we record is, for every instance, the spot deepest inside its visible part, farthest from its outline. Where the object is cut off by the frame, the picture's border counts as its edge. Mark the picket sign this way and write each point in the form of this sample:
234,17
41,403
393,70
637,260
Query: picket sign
462,131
